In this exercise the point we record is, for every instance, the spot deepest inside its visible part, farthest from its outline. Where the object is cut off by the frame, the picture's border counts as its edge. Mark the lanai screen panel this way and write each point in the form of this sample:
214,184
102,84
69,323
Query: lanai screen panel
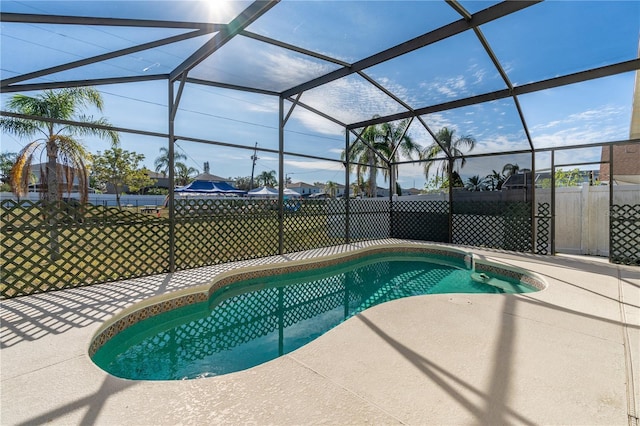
171,10
435,74
494,126
589,112
351,99
250,63
230,116
310,133
557,38
46,45
351,30
541,41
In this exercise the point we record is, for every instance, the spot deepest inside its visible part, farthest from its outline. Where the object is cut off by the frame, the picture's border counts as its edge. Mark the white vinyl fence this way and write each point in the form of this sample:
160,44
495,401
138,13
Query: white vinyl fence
582,216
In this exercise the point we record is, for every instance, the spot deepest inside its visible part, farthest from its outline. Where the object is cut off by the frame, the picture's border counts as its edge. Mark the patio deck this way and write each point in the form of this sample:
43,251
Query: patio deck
565,355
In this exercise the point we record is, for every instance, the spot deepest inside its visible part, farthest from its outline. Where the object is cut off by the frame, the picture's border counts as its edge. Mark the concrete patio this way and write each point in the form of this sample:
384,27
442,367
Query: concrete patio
567,355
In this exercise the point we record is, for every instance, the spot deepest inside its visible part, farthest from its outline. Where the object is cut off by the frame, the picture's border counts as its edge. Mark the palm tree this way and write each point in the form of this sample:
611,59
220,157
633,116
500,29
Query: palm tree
267,178
184,174
389,140
66,155
494,181
475,183
454,147
362,152
397,140
162,161
510,169
331,188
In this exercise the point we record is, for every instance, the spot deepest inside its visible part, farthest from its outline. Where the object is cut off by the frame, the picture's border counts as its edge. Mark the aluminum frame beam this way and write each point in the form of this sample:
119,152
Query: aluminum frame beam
80,83
239,23
33,18
484,16
579,77
103,57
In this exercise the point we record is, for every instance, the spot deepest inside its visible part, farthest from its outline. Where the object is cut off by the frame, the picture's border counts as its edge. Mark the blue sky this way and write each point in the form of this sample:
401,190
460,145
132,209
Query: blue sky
543,41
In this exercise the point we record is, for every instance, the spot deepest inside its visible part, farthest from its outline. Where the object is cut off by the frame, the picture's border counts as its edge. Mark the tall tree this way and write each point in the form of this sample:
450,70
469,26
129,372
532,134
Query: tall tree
161,162
453,145
66,156
510,169
475,183
379,146
399,143
331,188
7,160
242,182
184,174
267,178
494,181
119,168
366,153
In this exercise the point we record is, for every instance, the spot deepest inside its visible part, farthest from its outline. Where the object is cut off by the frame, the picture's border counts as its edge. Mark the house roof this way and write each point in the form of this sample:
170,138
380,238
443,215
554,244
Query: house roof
210,178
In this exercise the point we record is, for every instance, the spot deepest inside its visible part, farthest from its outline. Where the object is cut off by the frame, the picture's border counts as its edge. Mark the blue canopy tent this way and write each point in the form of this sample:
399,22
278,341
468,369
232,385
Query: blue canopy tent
209,187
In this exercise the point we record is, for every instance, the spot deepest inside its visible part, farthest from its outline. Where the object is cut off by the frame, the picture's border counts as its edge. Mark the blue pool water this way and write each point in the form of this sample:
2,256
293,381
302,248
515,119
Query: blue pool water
254,321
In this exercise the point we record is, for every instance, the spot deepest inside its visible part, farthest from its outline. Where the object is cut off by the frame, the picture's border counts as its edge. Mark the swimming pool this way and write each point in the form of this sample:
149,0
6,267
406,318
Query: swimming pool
248,318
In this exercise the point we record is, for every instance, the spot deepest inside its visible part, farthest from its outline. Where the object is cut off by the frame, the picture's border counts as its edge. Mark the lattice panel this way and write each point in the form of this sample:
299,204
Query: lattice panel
310,224
543,229
214,231
65,244
420,220
501,225
369,219
625,234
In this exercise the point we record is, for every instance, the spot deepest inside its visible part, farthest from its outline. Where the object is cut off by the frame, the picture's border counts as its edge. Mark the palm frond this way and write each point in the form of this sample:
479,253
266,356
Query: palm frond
20,127
21,170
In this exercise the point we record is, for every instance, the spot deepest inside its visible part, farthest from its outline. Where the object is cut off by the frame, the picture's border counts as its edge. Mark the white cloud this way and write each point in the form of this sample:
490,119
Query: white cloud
349,100
478,73
315,165
592,125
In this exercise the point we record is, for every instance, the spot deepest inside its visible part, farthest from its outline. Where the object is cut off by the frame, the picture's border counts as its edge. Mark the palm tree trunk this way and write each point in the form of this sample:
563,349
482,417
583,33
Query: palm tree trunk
51,202
372,176
392,173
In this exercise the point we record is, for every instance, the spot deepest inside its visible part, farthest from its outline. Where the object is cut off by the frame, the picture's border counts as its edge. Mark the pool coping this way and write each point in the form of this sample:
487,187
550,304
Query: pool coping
575,343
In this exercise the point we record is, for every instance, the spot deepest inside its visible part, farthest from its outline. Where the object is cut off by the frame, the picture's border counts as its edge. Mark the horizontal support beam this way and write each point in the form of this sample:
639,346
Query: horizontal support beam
103,57
579,77
81,83
164,136
30,18
231,86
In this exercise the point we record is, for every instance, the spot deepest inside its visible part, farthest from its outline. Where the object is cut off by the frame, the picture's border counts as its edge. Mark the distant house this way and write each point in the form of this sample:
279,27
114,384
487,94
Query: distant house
37,170
626,158
304,189
411,191
626,164
160,182
208,177
517,181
